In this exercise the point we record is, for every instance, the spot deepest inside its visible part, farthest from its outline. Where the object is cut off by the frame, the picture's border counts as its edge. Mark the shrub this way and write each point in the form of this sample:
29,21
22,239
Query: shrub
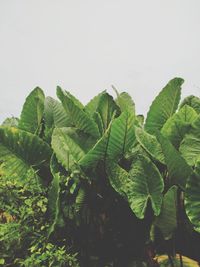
98,185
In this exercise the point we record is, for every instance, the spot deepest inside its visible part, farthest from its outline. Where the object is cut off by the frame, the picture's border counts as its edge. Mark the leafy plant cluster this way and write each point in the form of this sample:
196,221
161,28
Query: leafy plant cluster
97,185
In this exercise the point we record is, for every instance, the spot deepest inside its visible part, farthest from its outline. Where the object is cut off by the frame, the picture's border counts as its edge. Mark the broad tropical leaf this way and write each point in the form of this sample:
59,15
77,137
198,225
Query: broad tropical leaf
179,124
32,112
167,220
106,109
122,135
74,99
192,198
190,146
164,106
192,101
21,152
150,144
142,184
124,101
99,122
54,116
67,146
79,119
92,105
178,169
117,139
98,152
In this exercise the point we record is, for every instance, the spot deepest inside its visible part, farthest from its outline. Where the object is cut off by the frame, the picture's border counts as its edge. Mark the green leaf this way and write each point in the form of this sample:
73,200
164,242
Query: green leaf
54,197
142,184
99,122
92,105
124,101
179,124
192,101
178,169
32,112
150,144
54,116
74,99
98,152
80,119
67,149
106,109
21,152
11,122
122,135
192,198
167,220
190,146
164,106
117,139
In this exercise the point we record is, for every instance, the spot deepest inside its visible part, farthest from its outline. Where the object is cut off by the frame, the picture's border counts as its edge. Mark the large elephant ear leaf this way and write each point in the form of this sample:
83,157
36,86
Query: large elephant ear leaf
21,153
192,101
124,101
92,105
167,220
148,185
142,184
164,106
98,152
32,112
117,139
179,124
178,169
122,135
190,146
80,119
54,116
150,144
192,198
106,108
67,147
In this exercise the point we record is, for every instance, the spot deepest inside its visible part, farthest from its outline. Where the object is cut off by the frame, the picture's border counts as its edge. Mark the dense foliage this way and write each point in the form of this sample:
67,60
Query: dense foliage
99,186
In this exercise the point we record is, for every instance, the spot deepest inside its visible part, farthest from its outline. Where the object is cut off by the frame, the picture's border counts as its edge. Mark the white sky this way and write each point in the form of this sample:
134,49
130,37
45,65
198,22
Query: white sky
85,46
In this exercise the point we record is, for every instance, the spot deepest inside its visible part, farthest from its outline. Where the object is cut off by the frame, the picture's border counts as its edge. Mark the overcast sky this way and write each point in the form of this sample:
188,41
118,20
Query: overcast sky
86,45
